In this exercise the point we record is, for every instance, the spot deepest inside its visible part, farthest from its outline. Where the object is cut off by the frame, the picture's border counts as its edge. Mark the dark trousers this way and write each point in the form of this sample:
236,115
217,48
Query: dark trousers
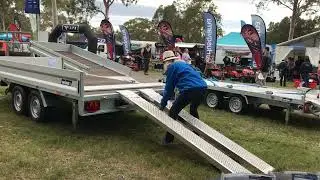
192,97
305,78
140,64
146,62
283,78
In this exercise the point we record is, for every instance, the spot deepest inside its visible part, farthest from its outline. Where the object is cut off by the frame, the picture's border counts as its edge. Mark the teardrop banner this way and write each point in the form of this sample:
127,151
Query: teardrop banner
166,34
210,37
251,36
260,26
126,42
108,35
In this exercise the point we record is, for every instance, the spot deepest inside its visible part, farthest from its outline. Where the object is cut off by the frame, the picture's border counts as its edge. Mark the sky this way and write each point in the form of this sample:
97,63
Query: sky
232,12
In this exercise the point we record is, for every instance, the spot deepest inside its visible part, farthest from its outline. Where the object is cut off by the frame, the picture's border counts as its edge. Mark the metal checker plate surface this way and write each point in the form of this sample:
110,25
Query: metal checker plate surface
220,160
214,135
95,69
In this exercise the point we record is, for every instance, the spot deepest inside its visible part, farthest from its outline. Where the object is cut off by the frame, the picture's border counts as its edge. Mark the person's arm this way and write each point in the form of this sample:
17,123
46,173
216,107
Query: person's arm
142,50
169,88
188,57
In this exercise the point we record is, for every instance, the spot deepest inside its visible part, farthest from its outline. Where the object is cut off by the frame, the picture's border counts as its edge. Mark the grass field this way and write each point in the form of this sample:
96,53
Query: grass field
127,145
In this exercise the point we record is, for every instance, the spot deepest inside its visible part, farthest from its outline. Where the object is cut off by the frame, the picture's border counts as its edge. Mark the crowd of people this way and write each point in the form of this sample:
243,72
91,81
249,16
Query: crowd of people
290,69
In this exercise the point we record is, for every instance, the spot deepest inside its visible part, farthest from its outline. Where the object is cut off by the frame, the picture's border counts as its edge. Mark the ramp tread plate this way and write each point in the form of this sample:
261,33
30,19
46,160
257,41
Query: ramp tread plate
220,160
215,135
94,68
91,80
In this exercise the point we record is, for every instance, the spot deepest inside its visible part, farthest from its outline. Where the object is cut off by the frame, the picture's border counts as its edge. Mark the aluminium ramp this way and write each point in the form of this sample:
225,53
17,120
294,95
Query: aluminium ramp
216,157
227,144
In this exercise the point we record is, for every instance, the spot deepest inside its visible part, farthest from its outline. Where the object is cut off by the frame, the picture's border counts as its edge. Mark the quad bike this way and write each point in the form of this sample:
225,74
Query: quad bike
216,72
245,74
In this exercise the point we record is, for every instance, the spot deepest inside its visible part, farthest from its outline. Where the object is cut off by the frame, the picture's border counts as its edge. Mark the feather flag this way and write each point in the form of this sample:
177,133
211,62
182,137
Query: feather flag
210,29
251,36
166,33
108,34
260,26
126,42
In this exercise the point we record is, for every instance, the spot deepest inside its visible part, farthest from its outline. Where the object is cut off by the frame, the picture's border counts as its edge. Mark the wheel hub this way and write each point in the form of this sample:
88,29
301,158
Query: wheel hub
17,101
235,104
35,107
212,100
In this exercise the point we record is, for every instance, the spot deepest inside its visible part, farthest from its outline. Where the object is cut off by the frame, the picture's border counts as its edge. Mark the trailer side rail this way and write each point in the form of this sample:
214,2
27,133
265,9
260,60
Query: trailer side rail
53,80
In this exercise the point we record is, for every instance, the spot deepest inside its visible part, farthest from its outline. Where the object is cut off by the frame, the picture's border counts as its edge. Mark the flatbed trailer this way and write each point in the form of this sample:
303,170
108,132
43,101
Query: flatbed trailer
61,72
239,97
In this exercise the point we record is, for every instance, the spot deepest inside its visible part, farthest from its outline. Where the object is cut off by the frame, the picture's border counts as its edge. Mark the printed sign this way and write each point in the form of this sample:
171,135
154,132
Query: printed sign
32,6
70,28
66,82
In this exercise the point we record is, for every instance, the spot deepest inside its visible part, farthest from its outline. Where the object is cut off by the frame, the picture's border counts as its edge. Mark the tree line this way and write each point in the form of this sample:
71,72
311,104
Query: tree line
185,16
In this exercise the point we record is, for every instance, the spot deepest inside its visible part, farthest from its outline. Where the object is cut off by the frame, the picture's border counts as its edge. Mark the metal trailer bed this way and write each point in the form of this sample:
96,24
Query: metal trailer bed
239,96
94,86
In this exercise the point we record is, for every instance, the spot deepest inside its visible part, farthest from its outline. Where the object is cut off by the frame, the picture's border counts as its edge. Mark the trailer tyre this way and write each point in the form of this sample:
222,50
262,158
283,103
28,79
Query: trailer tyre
237,104
19,100
36,108
213,99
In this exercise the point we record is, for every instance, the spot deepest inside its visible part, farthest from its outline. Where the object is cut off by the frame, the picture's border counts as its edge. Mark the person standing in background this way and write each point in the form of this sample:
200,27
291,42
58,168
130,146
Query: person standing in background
266,62
305,69
318,72
290,68
210,61
186,56
283,72
177,52
146,55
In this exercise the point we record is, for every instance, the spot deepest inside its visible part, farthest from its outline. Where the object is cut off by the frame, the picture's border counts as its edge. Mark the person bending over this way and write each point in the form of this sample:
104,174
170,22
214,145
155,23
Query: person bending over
189,83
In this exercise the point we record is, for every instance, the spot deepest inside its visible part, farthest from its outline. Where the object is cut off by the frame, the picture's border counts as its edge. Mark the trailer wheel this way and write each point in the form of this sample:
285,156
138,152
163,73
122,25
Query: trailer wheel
36,108
237,104
19,100
213,99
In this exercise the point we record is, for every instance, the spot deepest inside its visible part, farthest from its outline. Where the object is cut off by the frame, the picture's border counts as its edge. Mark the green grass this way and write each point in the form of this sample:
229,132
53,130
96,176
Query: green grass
108,147
127,145
2,90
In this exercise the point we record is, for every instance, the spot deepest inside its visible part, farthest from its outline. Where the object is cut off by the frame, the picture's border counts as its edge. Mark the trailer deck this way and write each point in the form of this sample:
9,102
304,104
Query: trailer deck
302,99
96,86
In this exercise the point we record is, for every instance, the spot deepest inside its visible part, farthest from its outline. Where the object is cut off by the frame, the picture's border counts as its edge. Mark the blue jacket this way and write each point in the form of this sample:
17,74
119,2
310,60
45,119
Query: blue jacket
182,76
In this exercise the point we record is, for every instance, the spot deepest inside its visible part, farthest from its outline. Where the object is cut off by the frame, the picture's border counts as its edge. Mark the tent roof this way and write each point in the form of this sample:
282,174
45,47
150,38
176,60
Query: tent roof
300,39
232,39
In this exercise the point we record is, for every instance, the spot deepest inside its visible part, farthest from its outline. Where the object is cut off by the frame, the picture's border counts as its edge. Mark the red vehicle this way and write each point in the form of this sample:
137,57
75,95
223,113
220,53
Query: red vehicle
244,74
217,72
4,51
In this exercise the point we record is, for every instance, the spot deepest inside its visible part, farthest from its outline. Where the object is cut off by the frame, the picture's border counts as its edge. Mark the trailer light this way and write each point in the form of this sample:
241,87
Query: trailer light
92,106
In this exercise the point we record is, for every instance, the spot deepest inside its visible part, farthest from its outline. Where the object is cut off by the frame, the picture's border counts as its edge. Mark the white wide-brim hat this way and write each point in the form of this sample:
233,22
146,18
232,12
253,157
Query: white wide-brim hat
168,55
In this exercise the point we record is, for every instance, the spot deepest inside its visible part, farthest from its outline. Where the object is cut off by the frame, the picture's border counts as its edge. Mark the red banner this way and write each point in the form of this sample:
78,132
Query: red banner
251,36
166,34
108,34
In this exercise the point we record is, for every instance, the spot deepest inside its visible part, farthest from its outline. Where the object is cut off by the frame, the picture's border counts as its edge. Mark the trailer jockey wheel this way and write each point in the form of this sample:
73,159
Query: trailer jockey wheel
213,99
19,100
237,104
36,108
